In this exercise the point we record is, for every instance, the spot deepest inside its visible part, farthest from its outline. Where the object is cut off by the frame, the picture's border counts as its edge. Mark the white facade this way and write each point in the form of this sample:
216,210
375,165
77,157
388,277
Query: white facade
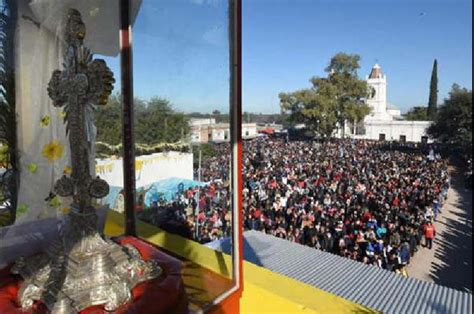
409,131
385,121
394,111
148,168
219,132
249,130
201,122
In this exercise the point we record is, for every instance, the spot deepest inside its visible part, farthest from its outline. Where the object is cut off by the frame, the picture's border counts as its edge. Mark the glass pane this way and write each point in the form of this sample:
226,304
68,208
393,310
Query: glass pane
59,98
182,134
34,147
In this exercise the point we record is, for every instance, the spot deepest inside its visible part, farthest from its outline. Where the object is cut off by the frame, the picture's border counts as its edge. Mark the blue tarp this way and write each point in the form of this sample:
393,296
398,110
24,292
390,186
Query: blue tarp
165,189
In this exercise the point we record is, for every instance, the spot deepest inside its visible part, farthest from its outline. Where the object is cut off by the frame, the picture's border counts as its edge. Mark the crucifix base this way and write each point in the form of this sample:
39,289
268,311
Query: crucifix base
83,269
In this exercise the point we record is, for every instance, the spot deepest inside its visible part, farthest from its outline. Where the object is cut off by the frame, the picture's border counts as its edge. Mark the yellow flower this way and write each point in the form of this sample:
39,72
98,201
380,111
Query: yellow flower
45,121
54,202
67,170
32,167
138,165
65,210
53,150
62,114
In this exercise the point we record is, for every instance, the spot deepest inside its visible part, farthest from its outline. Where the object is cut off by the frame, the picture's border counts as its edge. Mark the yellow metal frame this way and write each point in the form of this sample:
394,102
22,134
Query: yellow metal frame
265,291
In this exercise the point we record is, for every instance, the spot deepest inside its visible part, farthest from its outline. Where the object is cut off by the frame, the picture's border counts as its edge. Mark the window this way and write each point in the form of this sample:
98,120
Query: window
170,207
403,138
381,137
177,181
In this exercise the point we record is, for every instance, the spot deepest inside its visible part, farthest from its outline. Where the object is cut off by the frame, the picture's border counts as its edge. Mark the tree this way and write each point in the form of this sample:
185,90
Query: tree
158,122
417,114
155,122
433,100
108,120
332,100
453,123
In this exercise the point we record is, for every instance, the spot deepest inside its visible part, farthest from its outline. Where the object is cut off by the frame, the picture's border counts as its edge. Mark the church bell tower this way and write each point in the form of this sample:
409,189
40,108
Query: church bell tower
378,100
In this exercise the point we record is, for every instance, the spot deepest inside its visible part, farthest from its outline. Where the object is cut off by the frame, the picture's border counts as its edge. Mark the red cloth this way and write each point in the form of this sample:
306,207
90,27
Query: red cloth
201,217
161,295
257,213
396,201
429,232
366,216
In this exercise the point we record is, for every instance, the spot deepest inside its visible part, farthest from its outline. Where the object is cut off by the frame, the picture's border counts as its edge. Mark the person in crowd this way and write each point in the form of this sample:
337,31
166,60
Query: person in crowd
355,198
430,232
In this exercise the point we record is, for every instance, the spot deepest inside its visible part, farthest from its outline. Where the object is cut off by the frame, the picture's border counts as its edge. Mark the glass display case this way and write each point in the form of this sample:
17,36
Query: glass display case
120,168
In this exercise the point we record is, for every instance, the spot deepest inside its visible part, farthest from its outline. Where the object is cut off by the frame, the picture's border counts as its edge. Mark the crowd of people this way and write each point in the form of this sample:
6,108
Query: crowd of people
354,198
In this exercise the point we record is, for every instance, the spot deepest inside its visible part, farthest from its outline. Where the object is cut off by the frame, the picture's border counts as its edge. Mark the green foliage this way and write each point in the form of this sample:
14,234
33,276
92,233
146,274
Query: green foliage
433,100
108,120
334,99
156,123
453,123
417,114
105,150
207,151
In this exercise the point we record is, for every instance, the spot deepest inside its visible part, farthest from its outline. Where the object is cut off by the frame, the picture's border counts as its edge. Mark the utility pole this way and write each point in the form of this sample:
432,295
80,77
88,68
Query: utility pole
196,230
199,167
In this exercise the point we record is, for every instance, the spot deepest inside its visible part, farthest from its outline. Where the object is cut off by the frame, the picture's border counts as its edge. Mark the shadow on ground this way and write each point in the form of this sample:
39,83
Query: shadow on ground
454,248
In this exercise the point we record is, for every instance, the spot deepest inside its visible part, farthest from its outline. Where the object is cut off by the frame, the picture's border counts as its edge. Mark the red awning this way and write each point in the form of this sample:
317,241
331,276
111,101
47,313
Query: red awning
267,131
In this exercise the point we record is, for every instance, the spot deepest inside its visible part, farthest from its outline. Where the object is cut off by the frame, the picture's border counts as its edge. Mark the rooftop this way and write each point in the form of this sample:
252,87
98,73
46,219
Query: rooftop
376,72
354,281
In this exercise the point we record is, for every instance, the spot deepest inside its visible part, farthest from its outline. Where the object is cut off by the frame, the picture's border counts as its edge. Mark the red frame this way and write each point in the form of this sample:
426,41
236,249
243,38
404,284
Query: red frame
229,301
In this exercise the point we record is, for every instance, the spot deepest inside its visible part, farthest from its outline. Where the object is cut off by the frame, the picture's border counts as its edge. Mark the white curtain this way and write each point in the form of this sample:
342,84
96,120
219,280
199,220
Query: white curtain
43,148
42,143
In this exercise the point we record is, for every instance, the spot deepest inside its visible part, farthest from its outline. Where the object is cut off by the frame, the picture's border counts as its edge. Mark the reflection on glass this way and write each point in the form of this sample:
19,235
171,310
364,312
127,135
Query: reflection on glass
182,132
34,149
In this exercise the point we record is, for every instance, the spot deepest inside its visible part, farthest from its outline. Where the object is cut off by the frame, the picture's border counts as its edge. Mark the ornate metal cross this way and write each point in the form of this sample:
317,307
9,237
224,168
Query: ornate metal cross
82,84
82,268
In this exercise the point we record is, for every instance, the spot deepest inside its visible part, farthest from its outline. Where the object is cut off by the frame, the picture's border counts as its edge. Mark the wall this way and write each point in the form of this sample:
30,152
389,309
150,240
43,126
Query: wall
149,168
201,122
413,130
220,132
394,112
249,130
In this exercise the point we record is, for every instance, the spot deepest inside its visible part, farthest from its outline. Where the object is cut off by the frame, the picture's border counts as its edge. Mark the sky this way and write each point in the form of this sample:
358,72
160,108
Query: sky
181,49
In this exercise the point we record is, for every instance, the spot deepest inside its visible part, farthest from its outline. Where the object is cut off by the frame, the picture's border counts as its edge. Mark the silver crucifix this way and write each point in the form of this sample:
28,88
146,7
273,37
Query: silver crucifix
82,268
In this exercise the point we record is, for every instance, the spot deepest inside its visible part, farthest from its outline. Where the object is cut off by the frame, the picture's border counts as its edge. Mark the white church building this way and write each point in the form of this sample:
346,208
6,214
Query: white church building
385,121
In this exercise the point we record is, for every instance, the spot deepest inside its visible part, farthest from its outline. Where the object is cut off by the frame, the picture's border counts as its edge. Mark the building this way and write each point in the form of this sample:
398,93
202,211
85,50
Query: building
385,121
207,130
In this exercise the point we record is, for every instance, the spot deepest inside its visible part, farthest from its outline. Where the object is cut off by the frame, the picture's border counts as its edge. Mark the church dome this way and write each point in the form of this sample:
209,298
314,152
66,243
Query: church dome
376,72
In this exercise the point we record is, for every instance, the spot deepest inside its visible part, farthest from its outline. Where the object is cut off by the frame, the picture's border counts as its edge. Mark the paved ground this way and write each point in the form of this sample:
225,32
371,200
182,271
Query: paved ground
449,262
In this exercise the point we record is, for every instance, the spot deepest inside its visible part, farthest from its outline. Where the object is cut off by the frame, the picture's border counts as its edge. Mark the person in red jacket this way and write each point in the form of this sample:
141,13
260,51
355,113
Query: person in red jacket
430,233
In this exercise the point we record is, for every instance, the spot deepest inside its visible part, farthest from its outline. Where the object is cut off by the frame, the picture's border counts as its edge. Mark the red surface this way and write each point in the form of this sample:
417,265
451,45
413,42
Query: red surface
161,295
